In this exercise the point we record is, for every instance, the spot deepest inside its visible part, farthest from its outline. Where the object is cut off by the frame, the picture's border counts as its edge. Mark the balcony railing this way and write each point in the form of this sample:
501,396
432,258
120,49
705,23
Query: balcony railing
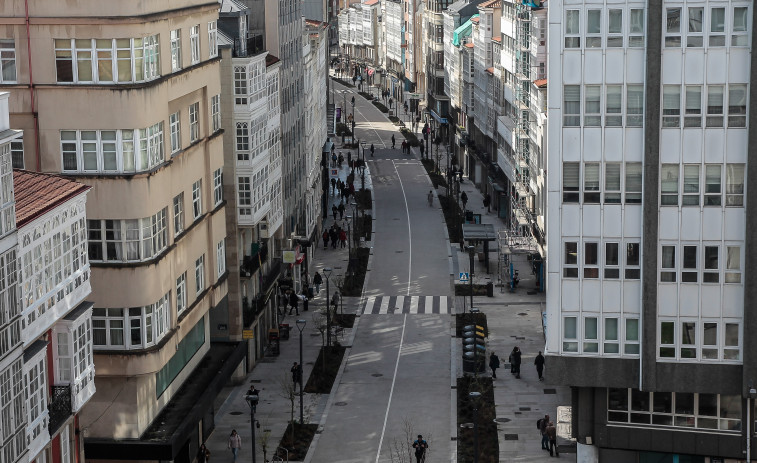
248,47
250,264
60,407
252,307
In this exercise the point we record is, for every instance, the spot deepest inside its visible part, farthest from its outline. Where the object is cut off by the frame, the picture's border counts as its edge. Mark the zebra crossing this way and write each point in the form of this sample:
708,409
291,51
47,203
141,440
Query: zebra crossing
408,305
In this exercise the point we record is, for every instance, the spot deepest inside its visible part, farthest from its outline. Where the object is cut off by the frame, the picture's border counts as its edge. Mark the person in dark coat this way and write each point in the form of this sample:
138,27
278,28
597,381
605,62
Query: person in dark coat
494,364
464,199
552,434
516,361
510,359
487,202
334,211
296,373
317,278
392,141
333,186
372,149
203,454
539,362
343,237
420,446
325,237
334,236
294,302
305,300
341,210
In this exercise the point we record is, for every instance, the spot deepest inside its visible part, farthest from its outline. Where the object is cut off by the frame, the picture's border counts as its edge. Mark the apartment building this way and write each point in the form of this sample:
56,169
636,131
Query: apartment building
648,213
126,99
316,122
433,56
358,36
252,179
394,61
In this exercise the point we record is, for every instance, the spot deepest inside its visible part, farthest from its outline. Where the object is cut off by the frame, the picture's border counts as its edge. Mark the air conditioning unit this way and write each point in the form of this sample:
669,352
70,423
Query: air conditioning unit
263,229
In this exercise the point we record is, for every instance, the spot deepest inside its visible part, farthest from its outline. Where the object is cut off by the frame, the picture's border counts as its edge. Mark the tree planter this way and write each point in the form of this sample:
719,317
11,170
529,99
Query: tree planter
488,443
298,447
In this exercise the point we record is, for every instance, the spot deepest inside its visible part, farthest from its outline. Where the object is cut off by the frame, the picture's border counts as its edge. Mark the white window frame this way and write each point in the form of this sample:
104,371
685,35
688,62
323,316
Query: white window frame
711,268
220,258
178,214
570,259
194,122
181,293
194,43
614,106
615,28
197,199
732,265
668,263
715,105
136,150
673,27
717,29
636,30
632,270
174,122
570,343
593,28
176,50
215,112
737,105
670,184
734,185
200,275
593,106
695,26
592,181
572,106
572,29
590,341
240,86
692,106
740,30
613,176
218,186
244,200
691,185
8,68
212,39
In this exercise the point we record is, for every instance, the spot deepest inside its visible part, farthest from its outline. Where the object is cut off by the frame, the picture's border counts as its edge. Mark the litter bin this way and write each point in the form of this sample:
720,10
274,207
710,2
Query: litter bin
490,289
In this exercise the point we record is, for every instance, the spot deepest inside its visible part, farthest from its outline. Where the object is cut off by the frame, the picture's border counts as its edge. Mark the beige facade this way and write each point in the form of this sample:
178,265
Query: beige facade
126,99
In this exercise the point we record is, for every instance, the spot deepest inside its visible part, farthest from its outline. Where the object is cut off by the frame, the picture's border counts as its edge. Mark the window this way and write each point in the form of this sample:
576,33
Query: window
36,400
591,183
733,264
212,39
734,185
572,29
690,185
732,344
593,106
215,112
17,153
112,151
710,341
570,335
197,199
572,106
612,183
693,115
690,266
737,97
633,183
570,261
243,141
591,260
194,122
715,101
668,264
611,261
614,109
740,37
667,339
217,186
174,122
132,328
673,28
615,28
590,335
245,196
129,240
178,214
221,258
633,272
240,85
634,105
712,186
717,27
593,29
194,43
7,61
636,28
176,50
669,184
611,344
711,273
152,57
671,105
570,182
696,21
181,293
200,274
631,344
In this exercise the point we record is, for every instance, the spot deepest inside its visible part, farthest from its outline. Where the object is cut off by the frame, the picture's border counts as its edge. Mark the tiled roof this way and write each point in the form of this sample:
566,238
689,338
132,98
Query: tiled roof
497,38
371,2
541,83
313,22
38,193
469,44
271,59
475,20
490,4
490,70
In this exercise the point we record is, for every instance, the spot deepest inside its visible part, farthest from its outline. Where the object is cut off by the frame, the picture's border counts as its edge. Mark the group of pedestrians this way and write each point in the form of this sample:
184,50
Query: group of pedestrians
334,234
548,435
515,360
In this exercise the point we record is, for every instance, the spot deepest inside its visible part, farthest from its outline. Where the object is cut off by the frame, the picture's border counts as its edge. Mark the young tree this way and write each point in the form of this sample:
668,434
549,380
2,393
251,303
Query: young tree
288,390
401,447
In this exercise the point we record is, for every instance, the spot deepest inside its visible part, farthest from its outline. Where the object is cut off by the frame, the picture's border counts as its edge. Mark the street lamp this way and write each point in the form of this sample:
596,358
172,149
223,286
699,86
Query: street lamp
353,119
471,250
252,401
474,397
327,272
301,326
349,240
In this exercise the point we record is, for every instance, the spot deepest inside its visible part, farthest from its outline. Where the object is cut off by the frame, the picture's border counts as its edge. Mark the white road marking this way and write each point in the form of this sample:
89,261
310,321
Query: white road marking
409,232
391,391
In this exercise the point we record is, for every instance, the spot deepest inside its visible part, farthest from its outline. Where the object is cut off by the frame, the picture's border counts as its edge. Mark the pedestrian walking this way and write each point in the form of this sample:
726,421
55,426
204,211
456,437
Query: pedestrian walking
420,446
487,201
305,299
333,235
494,364
325,237
294,302
552,434
422,149
404,146
333,159
296,373
372,149
393,141
235,443
430,198
464,198
317,278
341,208
334,211
539,362
343,238
203,454
333,186
511,361
516,361
542,425
340,160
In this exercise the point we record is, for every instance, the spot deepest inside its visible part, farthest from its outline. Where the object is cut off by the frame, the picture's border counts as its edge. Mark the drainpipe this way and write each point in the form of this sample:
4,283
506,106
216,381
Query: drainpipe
31,90
748,430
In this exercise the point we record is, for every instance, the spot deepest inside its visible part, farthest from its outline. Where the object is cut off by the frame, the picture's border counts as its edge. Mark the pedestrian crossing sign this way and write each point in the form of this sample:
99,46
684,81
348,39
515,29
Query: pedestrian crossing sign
464,278
334,172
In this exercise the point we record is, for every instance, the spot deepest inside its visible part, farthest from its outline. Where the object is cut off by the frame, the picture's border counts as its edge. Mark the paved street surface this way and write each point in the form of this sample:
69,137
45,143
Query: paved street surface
402,358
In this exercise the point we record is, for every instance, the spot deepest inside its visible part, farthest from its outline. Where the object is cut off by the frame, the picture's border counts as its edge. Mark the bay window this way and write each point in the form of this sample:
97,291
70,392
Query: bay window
112,151
92,60
147,325
127,240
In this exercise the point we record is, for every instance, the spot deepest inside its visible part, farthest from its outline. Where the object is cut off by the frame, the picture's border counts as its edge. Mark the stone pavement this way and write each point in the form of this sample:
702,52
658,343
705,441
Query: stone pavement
513,319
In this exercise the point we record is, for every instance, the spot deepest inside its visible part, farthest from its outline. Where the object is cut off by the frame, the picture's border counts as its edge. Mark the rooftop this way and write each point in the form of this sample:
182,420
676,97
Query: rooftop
371,2
232,6
475,19
38,193
271,59
491,4
469,45
497,38
541,83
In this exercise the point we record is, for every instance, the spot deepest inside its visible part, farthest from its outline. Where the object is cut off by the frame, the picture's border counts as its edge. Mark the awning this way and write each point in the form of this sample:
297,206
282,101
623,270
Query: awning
479,232
327,147
438,118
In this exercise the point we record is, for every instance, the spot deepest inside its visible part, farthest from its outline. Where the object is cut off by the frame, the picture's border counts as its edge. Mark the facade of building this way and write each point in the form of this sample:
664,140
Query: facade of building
157,259
649,219
316,131
250,103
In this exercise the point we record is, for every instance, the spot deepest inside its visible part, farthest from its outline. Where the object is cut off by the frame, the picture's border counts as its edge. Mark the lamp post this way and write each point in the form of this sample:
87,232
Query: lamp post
471,249
349,240
474,397
353,120
301,326
252,401
327,272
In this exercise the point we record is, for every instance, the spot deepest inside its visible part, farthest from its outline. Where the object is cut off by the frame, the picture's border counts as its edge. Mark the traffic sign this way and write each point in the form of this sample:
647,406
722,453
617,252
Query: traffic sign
247,334
464,277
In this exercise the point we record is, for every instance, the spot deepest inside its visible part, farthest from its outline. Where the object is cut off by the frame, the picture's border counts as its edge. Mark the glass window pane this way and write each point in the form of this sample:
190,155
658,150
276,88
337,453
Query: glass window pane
639,400
663,402
611,254
730,406
632,329
733,258
717,20
637,21
695,19
690,257
684,403
674,20
611,329
731,334
688,333
669,178
590,328
571,253
617,399
594,22
667,333
708,404
570,328
615,25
